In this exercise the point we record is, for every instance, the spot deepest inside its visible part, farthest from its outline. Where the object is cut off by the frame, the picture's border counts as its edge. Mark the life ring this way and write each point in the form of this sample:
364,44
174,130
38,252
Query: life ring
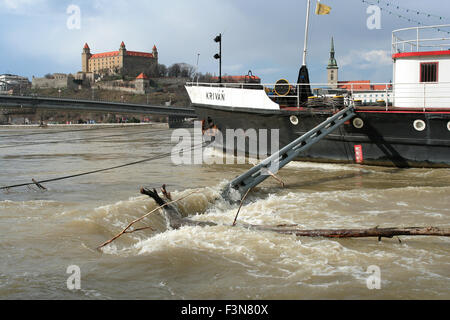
420,125
294,120
282,88
358,123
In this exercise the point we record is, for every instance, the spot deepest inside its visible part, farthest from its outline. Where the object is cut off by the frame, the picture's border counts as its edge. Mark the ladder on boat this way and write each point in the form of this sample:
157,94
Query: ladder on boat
282,157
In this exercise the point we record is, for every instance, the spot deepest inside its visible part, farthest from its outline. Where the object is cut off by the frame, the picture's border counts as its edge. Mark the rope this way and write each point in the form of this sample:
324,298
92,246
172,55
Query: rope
202,145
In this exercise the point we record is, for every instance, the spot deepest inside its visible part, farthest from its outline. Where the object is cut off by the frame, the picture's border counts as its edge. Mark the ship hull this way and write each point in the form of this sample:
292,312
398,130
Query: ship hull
386,138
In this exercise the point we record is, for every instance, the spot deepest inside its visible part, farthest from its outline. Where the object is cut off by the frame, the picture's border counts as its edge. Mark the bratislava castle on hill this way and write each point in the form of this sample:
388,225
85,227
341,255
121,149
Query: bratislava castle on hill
125,62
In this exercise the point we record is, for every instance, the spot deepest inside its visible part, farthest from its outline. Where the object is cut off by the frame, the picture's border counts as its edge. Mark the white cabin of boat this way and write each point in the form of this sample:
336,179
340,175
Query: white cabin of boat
421,67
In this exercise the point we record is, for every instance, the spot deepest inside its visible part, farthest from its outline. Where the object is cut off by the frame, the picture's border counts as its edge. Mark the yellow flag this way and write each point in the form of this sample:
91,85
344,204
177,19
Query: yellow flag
322,9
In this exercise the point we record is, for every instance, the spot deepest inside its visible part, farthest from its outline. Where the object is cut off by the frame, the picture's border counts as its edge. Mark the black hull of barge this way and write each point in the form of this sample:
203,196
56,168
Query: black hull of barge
387,138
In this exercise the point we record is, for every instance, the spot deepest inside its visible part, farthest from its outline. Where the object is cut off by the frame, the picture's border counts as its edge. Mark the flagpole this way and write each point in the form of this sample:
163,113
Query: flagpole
305,46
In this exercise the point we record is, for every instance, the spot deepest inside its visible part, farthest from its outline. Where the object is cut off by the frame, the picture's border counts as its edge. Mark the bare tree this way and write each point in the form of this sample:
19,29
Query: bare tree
207,77
174,70
187,70
162,70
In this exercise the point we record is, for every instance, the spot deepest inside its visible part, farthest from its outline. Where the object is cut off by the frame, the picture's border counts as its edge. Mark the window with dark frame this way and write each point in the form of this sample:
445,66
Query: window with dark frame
429,72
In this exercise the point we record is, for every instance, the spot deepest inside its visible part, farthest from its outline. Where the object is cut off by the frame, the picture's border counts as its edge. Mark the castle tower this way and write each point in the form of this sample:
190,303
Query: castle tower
332,68
142,83
122,48
85,56
155,52
122,54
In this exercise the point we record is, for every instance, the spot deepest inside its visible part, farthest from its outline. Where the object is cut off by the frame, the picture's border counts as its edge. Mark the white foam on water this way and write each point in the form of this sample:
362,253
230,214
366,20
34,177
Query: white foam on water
326,166
32,204
218,155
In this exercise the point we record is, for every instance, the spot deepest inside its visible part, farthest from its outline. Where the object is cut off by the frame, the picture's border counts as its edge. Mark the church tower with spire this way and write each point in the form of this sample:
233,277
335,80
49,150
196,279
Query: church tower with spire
332,68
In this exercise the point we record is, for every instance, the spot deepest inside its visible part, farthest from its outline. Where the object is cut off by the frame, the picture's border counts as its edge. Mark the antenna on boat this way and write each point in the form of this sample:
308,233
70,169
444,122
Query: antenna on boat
303,75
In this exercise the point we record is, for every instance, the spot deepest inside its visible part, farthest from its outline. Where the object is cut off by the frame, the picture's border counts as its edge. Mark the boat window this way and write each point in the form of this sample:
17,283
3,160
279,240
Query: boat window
428,72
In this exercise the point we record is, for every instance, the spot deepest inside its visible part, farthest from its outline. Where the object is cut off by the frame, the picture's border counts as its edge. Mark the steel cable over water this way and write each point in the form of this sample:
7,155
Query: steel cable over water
161,156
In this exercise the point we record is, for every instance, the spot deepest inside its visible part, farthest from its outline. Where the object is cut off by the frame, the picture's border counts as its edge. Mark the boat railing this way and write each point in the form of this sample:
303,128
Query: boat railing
289,95
422,38
422,95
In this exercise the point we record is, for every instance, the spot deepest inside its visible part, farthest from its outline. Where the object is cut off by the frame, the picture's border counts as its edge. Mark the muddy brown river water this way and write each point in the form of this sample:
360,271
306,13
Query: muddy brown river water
42,233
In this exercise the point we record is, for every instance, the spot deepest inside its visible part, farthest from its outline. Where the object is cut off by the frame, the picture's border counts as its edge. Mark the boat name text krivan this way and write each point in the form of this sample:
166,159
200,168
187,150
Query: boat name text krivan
220,96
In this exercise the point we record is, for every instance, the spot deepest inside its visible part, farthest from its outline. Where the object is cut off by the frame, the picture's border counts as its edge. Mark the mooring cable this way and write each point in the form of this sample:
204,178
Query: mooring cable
202,145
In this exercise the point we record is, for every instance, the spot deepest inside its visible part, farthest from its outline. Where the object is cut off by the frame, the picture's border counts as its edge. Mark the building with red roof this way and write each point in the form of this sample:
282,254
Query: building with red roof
238,79
142,76
131,63
362,90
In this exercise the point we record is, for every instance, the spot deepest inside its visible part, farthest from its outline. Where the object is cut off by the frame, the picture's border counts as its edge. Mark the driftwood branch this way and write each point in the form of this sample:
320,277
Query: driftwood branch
240,206
161,204
275,177
356,233
40,186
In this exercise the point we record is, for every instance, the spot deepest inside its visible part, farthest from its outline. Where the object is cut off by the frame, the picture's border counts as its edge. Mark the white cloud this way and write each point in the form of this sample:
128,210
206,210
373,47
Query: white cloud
366,59
22,6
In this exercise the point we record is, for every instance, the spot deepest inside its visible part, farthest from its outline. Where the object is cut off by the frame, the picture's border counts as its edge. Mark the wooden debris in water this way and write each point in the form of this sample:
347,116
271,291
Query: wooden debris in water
40,186
176,221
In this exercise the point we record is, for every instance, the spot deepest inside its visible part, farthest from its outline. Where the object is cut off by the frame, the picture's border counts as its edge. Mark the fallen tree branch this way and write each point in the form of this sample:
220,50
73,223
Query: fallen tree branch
40,186
240,206
125,230
356,233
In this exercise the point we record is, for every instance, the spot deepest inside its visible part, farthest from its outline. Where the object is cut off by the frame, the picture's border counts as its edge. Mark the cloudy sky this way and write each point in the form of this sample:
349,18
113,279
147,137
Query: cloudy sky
259,35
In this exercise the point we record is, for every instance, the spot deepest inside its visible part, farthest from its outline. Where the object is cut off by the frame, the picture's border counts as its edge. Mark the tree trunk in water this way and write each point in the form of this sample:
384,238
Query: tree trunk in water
356,233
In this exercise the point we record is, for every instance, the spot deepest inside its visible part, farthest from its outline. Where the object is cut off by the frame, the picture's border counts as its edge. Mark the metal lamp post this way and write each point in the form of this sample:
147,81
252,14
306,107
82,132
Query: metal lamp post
219,55
198,58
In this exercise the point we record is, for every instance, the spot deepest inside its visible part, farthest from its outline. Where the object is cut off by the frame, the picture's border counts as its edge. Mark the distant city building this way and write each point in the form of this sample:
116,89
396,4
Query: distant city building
13,83
55,81
123,61
366,92
238,79
139,85
361,89
142,84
